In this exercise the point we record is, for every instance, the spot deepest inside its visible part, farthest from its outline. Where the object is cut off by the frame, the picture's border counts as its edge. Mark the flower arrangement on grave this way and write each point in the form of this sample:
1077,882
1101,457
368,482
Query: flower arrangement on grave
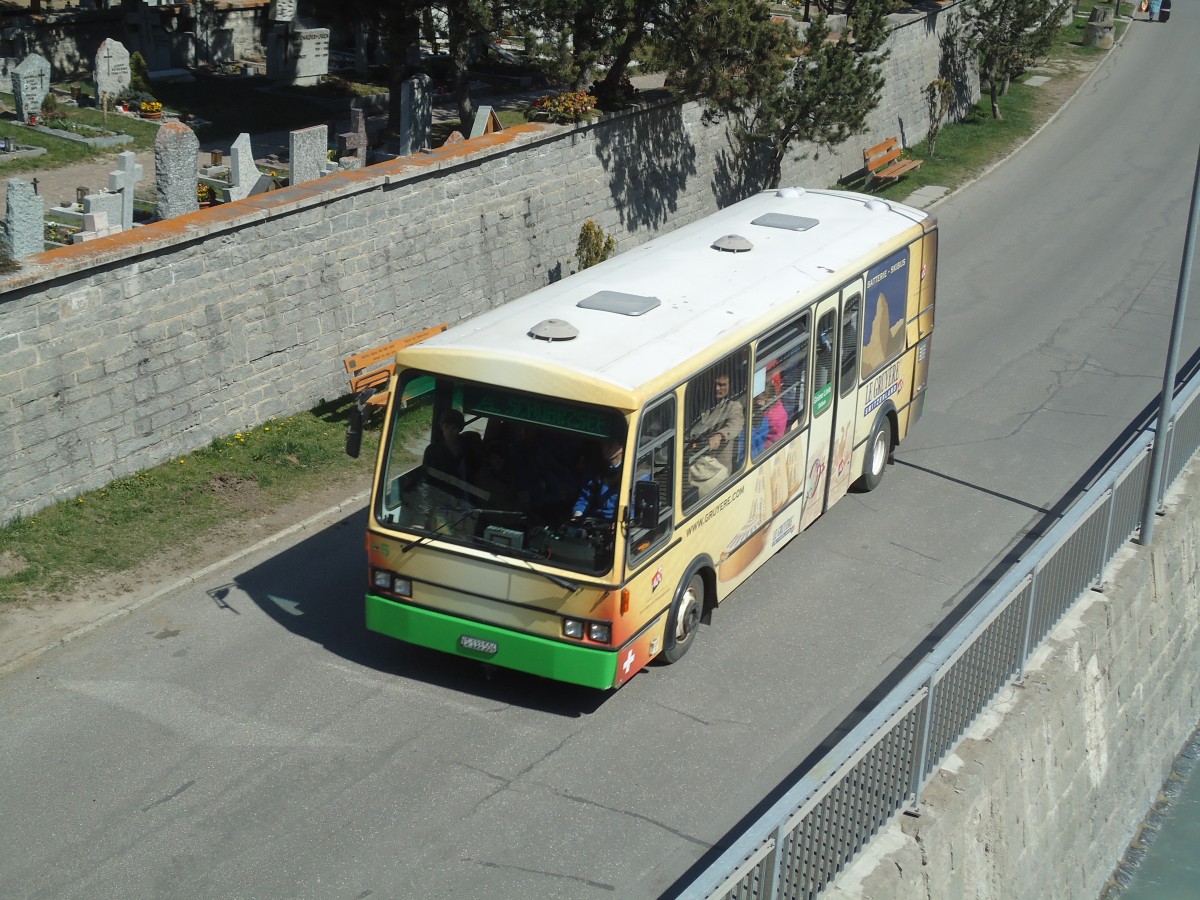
151,108
205,193
571,106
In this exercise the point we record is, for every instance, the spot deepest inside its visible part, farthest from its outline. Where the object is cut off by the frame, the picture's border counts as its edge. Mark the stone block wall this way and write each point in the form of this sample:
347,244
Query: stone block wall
1046,792
126,351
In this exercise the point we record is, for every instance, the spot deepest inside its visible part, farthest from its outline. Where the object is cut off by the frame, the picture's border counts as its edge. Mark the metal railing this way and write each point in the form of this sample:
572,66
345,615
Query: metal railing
880,768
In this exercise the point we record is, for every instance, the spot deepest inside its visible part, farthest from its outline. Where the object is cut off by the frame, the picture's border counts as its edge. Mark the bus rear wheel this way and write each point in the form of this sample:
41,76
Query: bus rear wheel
879,448
684,619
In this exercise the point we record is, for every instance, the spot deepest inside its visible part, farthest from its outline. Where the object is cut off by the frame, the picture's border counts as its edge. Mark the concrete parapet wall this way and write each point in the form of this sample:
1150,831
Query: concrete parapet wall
125,351
1046,792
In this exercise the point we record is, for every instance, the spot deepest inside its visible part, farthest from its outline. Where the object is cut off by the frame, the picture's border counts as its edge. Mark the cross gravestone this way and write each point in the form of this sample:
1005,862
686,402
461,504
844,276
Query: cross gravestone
31,84
176,150
121,182
416,115
243,173
24,222
485,122
308,149
354,142
112,69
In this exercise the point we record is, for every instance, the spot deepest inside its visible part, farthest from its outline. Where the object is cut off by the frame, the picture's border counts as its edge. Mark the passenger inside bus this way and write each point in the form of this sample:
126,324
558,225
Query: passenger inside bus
716,438
453,456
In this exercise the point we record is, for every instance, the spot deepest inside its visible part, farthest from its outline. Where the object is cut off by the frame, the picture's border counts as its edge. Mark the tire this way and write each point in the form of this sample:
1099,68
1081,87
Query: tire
684,619
879,451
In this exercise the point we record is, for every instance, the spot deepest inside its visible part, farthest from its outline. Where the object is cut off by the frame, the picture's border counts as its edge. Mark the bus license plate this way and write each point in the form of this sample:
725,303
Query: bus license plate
477,645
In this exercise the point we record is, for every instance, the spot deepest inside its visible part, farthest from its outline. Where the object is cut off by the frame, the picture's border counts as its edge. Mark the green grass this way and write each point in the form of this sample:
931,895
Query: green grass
174,505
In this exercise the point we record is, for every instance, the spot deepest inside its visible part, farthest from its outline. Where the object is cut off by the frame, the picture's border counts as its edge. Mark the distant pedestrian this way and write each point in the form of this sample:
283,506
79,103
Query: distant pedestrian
1152,13
1165,11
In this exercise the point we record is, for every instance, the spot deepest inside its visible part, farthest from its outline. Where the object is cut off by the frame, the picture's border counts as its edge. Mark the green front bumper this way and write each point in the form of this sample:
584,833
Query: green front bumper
475,640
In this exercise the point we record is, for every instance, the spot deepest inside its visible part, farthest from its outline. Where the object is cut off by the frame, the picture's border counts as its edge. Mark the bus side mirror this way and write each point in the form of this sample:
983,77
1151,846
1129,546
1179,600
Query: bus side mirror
354,428
645,504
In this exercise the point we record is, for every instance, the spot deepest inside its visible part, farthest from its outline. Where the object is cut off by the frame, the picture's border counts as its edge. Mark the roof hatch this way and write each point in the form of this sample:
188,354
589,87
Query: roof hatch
618,302
786,222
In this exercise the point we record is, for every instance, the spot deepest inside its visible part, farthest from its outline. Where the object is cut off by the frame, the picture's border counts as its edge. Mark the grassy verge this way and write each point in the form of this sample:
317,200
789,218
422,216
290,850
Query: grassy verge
179,503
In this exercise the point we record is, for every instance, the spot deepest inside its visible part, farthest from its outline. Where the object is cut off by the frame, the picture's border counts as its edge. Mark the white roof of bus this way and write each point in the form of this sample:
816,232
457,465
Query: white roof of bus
705,295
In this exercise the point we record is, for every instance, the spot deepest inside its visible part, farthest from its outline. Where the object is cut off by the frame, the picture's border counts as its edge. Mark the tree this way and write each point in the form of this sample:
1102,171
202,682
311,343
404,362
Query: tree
738,63
1009,35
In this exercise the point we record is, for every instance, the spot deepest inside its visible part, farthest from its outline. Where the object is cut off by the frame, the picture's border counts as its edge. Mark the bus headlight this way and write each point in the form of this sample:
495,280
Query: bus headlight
389,581
573,628
600,632
402,586
383,579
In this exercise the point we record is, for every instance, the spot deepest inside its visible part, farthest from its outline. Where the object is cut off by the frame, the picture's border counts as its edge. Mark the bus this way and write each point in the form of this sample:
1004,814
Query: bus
568,484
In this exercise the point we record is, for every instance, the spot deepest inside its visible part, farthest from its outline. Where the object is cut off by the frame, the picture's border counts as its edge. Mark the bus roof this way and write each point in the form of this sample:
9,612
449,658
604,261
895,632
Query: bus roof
616,333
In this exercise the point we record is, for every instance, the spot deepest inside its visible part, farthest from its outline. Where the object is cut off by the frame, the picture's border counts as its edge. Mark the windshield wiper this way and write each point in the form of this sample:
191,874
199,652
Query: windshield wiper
525,555
445,525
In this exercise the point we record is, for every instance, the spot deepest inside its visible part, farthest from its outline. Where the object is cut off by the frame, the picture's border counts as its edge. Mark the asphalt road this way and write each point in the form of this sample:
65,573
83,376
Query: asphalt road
249,739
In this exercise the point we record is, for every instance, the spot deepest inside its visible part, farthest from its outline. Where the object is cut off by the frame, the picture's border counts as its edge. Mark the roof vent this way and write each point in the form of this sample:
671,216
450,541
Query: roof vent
618,302
554,330
877,205
786,222
789,193
732,243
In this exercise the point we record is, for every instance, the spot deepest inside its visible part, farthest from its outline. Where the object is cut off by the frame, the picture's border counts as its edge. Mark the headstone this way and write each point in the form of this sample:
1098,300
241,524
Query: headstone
416,115
31,84
112,68
243,173
111,206
128,173
176,150
95,225
310,50
456,137
485,122
24,220
354,142
309,148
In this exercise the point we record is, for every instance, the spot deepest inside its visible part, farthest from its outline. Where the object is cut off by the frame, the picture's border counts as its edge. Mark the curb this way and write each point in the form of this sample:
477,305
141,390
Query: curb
185,582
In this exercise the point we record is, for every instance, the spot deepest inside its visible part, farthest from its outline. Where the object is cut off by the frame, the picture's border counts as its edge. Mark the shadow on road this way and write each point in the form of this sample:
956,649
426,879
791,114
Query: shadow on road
315,590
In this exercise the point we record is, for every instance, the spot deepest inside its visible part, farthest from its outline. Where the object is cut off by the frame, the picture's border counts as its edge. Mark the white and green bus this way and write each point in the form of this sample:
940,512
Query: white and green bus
569,484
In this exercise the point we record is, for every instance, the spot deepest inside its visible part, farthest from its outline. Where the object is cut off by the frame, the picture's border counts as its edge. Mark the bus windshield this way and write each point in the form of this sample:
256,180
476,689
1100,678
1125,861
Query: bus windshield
518,475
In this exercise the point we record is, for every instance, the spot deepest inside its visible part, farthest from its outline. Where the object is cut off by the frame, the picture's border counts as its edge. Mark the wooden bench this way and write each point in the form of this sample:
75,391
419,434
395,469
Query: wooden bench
883,161
357,366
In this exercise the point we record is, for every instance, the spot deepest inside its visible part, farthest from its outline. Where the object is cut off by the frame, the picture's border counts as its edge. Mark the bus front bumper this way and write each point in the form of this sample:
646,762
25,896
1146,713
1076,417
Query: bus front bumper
586,666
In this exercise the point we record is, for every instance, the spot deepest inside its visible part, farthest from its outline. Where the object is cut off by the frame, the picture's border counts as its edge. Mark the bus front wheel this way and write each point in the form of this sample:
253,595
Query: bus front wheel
879,448
684,620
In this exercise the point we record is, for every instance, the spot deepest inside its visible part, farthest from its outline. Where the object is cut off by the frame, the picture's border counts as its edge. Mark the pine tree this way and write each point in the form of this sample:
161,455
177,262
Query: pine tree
1009,35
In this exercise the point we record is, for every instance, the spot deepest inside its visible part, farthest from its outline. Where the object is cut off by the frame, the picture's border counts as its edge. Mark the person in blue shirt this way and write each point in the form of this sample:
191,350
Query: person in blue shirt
601,491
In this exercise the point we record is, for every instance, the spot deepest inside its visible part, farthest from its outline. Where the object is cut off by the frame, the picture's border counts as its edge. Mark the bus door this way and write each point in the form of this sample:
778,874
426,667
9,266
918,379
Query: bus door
821,408
845,404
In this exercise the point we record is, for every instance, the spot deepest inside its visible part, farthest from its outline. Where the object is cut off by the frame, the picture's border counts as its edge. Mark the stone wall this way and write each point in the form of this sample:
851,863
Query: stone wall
1044,795
125,351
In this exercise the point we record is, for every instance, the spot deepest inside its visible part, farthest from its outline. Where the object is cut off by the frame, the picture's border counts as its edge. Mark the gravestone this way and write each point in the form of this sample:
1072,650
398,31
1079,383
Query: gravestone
282,11
416,115
309,149
110,205
243,173
176,150
31,84
354,142
485,122
24,220
112,69
95,225
310,47
121,182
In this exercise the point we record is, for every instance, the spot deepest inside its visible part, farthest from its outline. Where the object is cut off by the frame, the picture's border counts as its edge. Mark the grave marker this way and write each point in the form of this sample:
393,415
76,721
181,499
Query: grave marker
31,84
176,150
309,148
24,222
354,142
112,69
127,174
243,173
485,122
416,115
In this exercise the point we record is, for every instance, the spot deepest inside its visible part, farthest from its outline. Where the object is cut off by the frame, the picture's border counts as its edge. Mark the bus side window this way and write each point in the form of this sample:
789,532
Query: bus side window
823,370
715,444
780,364
654,462
849,345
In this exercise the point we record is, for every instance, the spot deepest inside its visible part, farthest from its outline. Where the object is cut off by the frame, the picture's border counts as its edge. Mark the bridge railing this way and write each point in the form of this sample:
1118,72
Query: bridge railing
799,845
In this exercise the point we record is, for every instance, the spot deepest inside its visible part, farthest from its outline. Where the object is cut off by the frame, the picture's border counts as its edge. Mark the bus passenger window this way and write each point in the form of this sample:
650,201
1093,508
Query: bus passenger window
716,432
849,345
823,370
780,365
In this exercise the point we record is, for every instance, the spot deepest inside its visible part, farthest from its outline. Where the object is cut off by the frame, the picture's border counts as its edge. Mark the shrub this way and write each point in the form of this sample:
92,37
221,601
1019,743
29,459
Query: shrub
594,245
572,106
